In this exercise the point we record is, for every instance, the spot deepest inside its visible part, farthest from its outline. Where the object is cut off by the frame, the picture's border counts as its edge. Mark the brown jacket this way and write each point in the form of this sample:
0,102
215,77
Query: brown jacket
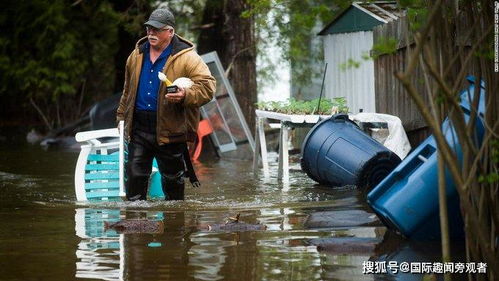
176,122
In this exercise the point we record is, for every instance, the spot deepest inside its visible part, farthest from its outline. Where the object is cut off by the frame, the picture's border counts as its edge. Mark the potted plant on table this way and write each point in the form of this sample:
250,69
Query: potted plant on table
299,107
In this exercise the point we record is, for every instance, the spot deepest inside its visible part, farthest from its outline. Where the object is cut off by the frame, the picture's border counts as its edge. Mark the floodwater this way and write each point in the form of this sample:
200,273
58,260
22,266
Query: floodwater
46,235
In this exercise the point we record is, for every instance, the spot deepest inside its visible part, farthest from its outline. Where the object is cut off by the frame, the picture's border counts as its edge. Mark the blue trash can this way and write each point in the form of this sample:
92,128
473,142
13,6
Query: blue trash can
337,153
407,199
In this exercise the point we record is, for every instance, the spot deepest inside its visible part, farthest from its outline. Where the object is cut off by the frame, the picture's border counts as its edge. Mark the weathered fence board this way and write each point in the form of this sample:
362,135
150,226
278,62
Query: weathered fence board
391,97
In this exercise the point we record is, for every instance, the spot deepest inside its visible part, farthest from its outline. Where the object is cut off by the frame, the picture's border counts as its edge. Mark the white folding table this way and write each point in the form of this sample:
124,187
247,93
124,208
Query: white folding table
287,121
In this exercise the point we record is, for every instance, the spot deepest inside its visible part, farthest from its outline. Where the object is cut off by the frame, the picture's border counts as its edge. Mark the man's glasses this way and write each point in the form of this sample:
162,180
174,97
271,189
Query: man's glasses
155,30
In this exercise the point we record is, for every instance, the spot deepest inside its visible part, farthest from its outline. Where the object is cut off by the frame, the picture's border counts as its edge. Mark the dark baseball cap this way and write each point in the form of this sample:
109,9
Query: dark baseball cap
160,18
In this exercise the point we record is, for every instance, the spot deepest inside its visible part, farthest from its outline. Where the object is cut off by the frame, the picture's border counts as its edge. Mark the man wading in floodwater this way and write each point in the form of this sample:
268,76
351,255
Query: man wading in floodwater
158,124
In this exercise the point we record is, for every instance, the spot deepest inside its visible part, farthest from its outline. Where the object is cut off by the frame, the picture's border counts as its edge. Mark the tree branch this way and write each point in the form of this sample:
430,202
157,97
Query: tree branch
40,112
234,59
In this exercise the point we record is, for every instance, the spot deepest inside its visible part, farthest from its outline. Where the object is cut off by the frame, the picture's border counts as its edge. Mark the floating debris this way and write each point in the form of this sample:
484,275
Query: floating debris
233,224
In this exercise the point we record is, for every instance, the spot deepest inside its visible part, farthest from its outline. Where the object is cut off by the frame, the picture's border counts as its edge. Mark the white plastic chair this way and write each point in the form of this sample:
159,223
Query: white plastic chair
99,173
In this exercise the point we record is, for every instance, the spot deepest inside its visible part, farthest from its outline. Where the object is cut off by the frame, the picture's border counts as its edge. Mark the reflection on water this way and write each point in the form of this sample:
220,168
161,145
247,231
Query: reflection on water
100,254
46,235
186,252
101,251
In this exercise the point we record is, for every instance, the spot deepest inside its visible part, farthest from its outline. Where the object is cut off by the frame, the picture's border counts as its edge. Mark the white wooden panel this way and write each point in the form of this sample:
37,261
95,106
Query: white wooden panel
355,84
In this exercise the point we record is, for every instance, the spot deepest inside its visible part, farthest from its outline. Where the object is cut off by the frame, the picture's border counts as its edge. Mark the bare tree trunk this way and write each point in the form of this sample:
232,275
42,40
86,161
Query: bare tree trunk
211,38
242,51
233,38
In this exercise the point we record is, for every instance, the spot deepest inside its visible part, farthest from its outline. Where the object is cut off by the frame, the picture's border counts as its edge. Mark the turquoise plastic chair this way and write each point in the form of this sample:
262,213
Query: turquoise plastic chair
99,173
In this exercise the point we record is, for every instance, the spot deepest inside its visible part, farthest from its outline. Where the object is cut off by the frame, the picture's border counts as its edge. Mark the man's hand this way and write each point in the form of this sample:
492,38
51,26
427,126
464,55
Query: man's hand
177,97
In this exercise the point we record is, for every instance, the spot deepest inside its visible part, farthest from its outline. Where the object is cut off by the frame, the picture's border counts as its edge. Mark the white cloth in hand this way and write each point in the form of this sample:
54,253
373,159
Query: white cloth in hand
183,82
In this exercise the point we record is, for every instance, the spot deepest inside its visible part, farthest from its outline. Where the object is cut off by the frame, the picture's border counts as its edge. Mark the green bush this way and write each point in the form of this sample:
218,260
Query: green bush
54,54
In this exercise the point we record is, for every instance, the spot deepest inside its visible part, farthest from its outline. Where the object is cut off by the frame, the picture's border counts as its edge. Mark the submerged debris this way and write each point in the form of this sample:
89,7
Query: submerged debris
233,219
342,218
135,226
346,245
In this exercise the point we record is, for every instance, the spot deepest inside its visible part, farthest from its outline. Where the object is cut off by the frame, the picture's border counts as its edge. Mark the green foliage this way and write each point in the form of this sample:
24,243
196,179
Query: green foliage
292,25
293,106
49,48
495,151
350,63
384,46
490,178
417,13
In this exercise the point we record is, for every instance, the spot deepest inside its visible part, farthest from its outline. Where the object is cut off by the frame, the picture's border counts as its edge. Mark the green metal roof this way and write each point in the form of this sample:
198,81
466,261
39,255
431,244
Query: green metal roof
351,20
362,16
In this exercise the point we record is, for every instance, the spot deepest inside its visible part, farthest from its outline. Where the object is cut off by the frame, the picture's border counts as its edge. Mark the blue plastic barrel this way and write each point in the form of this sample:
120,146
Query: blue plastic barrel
407,199
337,153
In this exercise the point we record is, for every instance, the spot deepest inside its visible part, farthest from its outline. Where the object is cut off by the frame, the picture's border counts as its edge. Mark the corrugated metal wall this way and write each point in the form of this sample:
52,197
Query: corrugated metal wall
355,84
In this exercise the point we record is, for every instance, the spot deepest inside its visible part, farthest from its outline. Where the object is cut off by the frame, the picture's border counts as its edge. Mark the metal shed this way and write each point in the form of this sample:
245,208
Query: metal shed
347,39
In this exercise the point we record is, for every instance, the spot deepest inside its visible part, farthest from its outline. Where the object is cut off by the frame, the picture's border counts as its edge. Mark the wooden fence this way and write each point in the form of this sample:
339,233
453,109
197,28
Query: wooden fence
391,97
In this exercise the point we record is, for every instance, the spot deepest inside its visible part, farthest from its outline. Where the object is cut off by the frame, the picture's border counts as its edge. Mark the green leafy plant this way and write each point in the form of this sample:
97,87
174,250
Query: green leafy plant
293,106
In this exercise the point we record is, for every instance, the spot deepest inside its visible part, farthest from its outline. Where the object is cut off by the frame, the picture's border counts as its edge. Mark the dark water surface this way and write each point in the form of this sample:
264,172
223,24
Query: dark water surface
46,235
